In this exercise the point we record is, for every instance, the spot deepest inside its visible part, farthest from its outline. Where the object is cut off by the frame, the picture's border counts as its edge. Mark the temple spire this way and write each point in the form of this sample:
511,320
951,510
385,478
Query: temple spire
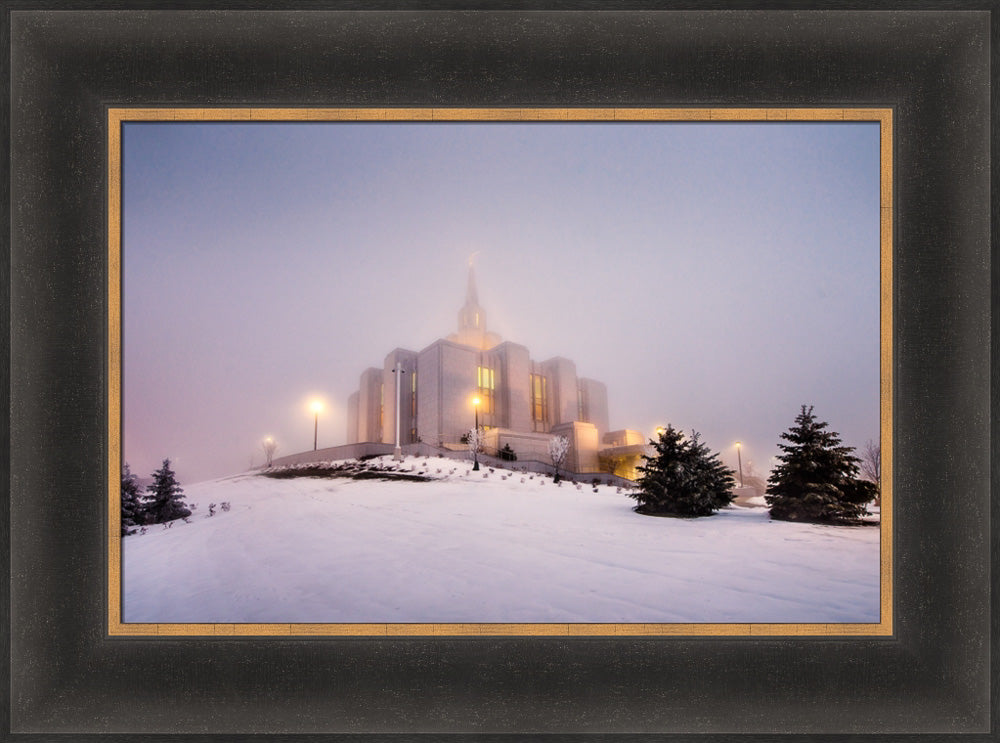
472,318
471,296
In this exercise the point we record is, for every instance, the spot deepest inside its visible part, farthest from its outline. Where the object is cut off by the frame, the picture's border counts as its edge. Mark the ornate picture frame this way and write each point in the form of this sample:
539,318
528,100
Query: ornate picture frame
69,674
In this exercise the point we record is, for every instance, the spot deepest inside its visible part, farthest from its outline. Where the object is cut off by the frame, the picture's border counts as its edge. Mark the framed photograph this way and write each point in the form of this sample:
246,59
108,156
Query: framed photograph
233,237
490,550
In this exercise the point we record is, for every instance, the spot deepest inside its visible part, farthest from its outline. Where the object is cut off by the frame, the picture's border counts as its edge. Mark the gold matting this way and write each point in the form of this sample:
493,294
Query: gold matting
118,116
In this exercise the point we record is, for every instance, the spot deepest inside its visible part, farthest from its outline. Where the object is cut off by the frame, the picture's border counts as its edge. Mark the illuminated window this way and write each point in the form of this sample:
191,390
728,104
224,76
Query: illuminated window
477,319
539,399
486,381
413,395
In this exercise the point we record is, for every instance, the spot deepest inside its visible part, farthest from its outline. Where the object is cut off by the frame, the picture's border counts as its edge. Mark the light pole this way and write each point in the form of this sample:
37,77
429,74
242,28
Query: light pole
316,407
475,447
739,459
397,453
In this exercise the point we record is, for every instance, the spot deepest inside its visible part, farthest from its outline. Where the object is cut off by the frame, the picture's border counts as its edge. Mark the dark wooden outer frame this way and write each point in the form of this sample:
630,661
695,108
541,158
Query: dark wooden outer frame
67,67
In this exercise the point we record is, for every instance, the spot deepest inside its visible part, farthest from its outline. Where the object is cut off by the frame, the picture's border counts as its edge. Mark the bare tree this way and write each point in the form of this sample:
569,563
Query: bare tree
871,466
270,446
558,446
474,438
752,478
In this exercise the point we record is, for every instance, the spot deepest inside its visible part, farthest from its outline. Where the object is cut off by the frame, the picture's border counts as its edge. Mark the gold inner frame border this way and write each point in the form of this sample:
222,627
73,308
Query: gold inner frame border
117,116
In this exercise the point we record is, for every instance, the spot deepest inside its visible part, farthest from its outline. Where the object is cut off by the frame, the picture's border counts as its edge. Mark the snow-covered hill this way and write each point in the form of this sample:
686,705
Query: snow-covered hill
469,548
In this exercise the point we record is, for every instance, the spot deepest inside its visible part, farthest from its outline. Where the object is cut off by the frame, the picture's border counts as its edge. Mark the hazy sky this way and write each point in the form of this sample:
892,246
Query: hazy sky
714,276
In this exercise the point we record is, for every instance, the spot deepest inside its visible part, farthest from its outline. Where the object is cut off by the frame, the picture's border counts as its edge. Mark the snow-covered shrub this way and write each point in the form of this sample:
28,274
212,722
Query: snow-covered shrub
475,438
225,505
558,448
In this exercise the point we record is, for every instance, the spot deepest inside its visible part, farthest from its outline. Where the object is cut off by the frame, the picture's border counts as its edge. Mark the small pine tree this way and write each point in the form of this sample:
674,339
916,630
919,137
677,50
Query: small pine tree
507,454
164,499
132,510
682,478
817,478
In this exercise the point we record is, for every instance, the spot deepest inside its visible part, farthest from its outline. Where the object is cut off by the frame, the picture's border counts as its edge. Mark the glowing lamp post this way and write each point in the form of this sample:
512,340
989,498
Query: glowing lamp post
316,407
659,431
739,458
475,447
397,452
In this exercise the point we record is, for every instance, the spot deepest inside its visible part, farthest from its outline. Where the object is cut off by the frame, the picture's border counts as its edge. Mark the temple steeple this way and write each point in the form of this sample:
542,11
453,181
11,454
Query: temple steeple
471,317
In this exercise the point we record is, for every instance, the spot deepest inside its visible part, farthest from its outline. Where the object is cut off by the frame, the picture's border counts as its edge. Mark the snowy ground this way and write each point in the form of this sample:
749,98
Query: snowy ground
472,549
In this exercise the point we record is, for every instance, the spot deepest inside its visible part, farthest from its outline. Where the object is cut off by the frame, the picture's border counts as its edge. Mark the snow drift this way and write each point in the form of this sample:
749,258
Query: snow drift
490,546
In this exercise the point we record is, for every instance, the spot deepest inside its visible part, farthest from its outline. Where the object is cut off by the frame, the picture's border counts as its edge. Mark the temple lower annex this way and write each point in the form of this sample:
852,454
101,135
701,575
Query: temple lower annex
522,403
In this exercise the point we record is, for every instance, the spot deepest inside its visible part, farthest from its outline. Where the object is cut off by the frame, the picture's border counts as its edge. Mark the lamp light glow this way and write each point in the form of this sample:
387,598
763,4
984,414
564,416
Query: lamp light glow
316,406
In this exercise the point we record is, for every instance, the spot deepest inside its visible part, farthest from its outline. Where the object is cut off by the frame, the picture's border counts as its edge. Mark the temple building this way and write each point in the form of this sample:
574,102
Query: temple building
523,403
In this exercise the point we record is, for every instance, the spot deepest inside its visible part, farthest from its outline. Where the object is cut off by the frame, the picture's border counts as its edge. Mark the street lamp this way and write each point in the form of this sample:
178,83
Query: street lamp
475,447
316,407
739,445
397,453
659,431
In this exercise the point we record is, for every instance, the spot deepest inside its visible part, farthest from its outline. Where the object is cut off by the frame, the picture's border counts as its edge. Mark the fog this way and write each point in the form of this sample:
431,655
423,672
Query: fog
713,276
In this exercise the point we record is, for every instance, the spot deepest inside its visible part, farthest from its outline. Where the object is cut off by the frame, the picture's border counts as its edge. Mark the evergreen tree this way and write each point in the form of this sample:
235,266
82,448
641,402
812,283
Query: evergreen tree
132,510
164,499
683,477
816,479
